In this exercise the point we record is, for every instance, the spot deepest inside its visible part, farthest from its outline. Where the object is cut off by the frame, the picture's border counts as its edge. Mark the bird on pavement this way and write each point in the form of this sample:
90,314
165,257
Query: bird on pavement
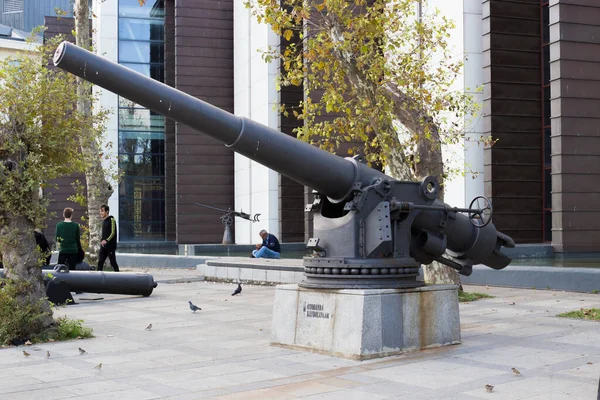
98,366
47,354
194,307
238,290
516,371
489,388
26,354
149,327
82,351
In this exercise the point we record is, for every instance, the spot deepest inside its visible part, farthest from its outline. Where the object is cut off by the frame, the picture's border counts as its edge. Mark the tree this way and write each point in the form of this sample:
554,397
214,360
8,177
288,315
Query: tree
99,188
40,130
97,175
383,71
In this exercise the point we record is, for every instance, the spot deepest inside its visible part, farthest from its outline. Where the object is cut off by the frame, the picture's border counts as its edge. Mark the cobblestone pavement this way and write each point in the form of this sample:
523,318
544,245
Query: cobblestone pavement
223,352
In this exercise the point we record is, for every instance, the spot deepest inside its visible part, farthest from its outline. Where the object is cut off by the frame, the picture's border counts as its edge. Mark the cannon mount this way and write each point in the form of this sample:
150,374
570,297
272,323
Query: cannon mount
370,230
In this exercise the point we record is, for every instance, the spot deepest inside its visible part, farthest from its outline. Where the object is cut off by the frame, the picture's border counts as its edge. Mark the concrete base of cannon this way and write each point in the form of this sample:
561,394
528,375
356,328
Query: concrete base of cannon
363,324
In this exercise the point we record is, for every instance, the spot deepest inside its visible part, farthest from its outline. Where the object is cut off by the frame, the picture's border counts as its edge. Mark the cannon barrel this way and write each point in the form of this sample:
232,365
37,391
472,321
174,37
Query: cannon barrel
295,159
136,284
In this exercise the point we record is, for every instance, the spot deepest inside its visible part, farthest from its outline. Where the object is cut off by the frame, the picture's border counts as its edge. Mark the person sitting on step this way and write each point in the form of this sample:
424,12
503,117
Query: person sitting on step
269,248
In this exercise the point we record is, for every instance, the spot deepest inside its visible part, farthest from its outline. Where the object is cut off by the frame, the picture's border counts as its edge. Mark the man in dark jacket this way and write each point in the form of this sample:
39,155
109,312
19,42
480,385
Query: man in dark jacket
269,248
42,242
108,244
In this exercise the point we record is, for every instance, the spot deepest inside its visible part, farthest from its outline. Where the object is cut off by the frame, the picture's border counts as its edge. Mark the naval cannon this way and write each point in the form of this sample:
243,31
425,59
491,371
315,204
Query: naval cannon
370,230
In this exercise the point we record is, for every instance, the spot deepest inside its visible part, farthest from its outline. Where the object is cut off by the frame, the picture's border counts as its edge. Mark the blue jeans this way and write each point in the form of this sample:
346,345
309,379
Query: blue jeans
265,252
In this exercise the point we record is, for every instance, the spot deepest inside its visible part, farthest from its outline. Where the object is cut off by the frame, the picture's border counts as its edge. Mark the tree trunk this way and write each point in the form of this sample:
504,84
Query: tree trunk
428,159
20,258
98,188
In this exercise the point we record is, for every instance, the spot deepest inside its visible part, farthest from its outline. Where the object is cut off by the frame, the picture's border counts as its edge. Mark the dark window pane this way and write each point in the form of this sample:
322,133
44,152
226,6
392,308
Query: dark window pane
145,188
141,52
150,9
142,164
547,148
136,119
154,71
149,209
141,29
547,110
545,24
141,215
548,226
547,188
141,231
130,144
546,65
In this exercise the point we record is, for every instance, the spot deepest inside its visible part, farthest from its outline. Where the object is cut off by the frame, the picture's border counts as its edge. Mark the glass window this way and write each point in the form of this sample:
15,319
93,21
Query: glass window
548,188
140,119
140,145
144,188
547,110
141,131
545,24
132,8
154,71
141,52
548,226
141,29
546,61
142,230
547,147
142,164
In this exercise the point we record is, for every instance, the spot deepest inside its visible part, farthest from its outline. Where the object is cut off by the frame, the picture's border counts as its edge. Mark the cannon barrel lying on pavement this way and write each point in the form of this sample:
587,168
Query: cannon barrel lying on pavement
130,283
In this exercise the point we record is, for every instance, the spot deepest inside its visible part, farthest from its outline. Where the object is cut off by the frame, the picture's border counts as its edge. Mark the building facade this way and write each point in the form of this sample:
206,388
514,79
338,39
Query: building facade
536,62
12,41
26,15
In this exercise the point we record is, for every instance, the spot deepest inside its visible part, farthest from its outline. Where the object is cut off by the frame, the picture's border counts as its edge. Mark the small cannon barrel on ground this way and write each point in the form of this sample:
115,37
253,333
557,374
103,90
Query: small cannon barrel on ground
130,283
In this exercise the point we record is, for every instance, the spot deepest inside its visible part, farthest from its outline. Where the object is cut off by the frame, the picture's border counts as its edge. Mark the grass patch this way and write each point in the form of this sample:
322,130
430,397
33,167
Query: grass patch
21,323
591,314
68,329
464,297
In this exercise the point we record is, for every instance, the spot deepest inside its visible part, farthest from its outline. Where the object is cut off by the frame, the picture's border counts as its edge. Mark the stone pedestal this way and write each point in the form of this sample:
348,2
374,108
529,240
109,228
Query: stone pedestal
362,324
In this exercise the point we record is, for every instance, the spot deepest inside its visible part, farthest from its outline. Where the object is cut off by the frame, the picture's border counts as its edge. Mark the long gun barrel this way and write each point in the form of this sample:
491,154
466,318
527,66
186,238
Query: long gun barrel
370,230
295,159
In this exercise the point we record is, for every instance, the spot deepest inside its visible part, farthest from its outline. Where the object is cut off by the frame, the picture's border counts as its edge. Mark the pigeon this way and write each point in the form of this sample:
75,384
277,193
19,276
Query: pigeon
238,290
516,371
193,307
149,327
98,366
82,351
26,354
47,354
489,388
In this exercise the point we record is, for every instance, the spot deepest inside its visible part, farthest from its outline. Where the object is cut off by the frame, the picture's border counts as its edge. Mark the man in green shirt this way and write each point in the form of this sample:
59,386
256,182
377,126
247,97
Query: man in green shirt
68,237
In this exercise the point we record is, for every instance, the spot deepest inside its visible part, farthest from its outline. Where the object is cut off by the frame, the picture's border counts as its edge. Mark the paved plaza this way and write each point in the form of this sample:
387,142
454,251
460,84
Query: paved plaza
223,352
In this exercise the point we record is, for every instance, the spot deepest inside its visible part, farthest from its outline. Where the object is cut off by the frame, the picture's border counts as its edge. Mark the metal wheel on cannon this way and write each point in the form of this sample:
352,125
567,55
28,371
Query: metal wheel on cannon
360,297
